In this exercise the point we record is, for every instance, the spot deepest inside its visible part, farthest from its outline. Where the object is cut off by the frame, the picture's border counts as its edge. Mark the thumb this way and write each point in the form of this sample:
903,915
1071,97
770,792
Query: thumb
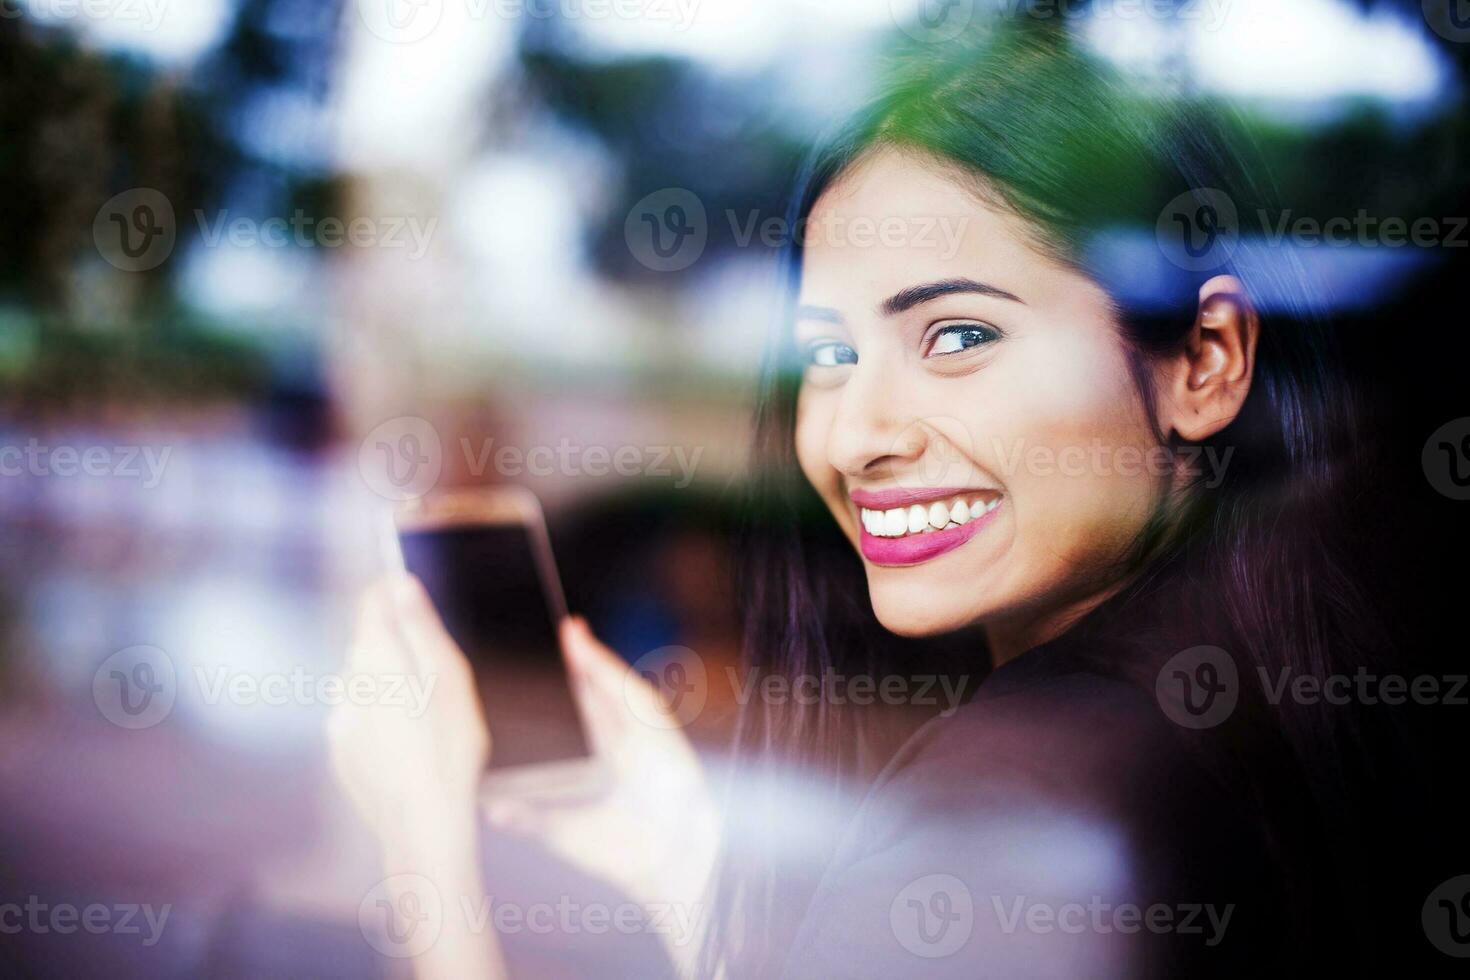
600,675
594,663
587,653
616,695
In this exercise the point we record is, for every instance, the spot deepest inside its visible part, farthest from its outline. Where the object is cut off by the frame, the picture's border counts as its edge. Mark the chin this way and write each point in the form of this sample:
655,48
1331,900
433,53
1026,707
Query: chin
902,616
931,599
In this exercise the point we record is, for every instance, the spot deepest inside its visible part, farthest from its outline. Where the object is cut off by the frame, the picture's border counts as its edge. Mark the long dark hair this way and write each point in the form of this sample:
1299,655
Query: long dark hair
1090,160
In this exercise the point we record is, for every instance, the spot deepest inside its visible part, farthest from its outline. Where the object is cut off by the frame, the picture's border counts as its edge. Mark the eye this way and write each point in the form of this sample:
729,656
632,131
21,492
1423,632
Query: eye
952,338
829,353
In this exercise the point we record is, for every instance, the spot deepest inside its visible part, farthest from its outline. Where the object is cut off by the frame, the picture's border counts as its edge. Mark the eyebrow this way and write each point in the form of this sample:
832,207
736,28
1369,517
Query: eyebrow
823,313
906,299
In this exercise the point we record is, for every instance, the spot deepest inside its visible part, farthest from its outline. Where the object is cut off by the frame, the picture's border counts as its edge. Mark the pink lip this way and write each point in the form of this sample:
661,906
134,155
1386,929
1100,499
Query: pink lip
915,548
900,497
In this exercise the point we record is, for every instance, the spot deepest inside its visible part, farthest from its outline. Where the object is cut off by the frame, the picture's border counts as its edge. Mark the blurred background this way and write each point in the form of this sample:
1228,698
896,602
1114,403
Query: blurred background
268,266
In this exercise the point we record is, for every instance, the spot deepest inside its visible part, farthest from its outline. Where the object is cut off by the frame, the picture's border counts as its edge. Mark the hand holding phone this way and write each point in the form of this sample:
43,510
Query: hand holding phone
651,827
412,770
484,559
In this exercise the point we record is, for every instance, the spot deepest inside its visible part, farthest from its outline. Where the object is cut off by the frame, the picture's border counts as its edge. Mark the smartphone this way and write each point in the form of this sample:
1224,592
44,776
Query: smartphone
485,559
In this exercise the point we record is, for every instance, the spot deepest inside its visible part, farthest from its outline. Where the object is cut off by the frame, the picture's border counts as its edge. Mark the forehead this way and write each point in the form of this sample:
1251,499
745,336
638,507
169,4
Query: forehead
897,218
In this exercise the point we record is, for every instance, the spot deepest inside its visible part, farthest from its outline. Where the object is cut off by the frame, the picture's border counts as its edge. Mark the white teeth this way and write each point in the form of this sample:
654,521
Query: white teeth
895,522
918,517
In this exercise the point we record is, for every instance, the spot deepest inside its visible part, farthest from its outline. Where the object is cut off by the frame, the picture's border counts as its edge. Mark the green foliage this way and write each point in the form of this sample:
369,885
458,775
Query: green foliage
53,366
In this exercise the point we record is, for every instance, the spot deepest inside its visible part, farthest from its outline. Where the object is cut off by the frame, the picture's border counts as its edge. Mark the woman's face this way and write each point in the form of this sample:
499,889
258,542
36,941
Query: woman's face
967,410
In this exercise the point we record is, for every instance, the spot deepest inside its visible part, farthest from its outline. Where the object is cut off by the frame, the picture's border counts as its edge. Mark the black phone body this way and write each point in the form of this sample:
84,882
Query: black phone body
485,559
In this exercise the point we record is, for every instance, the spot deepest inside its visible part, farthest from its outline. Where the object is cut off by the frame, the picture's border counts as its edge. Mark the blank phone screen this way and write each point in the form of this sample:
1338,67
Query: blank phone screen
486,584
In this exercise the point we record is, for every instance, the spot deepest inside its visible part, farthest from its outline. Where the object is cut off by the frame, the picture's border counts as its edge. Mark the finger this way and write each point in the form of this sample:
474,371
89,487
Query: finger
507,813
621,705
601,674
561,826
349,743
614,681
373,604
375,646
595,663
591,654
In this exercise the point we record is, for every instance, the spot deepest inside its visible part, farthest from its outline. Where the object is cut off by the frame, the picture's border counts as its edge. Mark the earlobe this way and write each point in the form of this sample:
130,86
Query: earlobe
1211,375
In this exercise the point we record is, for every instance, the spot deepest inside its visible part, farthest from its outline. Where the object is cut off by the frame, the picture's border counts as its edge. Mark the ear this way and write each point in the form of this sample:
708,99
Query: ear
1207,380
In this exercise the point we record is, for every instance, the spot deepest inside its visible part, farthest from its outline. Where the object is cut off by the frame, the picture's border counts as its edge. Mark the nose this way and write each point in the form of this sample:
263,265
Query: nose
870,431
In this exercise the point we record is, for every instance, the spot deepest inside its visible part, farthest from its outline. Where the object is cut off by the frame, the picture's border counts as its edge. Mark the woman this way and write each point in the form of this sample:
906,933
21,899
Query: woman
1040,453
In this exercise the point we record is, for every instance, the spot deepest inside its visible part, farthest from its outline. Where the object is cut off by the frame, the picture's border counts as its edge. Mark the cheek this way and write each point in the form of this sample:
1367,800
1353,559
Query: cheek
813,426
1077,452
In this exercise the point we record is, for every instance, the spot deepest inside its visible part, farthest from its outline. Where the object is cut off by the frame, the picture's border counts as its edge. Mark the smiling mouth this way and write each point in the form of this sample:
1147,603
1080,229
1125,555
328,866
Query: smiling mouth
918,530
898,522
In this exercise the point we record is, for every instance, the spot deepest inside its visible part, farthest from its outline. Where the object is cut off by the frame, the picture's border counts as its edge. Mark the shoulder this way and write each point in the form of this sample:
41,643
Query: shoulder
1076,742
1027,834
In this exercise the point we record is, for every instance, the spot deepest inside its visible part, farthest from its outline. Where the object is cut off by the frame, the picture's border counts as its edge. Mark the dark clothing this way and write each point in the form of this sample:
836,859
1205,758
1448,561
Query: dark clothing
1058,825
